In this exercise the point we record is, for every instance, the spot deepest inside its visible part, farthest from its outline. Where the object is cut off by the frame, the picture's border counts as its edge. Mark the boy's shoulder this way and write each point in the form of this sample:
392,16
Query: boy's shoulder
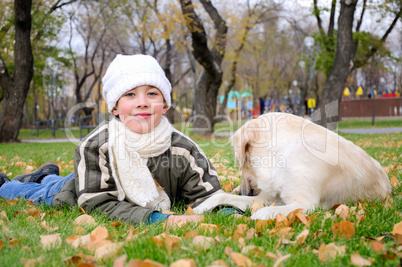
98,135
179,139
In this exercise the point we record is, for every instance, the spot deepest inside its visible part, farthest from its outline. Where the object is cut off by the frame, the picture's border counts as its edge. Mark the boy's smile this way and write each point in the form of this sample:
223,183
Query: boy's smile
141,108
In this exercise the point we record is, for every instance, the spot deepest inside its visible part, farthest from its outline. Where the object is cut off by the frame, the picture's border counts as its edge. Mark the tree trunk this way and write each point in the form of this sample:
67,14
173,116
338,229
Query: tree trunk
343,64
16,88
211,76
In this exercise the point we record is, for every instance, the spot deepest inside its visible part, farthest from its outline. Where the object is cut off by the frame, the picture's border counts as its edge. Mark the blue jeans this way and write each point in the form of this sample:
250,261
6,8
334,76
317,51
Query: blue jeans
43,192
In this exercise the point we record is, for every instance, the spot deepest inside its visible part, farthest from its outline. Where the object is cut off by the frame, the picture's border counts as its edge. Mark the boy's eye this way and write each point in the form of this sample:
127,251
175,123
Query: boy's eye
152,93
130,94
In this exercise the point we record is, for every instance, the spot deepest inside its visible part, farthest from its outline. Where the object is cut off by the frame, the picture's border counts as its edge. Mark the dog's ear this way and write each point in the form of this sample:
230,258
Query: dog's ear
240,141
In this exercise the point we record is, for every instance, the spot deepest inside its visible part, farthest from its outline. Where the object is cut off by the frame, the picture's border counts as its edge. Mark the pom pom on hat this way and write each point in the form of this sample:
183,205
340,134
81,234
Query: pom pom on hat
129,71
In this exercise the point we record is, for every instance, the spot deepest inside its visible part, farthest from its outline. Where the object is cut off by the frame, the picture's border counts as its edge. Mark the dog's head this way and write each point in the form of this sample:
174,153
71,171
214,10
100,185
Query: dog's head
244,141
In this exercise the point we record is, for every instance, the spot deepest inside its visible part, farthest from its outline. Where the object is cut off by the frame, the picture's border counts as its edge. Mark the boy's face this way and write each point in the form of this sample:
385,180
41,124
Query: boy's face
141,108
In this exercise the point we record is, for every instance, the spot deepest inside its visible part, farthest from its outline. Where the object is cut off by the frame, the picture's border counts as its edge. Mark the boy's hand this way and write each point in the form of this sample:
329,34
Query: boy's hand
175,219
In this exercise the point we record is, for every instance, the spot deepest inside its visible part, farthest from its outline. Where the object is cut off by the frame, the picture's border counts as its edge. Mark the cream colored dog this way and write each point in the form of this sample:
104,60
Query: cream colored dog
300,165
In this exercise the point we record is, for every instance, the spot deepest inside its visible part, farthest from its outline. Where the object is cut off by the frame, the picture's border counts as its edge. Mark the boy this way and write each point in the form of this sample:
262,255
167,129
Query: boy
136,164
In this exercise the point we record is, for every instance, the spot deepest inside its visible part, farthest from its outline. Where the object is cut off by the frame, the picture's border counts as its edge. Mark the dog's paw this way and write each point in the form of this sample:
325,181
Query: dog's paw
264,214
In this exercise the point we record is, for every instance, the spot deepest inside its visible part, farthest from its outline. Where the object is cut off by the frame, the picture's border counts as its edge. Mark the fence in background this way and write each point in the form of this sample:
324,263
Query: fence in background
383,107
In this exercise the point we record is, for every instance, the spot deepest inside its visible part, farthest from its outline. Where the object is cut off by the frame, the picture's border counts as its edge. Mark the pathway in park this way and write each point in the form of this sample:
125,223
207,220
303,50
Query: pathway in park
353,131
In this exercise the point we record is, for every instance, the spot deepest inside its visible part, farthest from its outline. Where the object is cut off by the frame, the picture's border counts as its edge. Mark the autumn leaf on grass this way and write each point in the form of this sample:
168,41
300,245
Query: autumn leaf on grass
330,252
208,227
108,250
378,247
183,263
261,225
394,181
3,215
170,241
100,233
31,262
189,211
253,250
1,245
397,232
301,238
145,263
218,263
203,242
298,215
84,220
345,229
241,260
48,228
358,260
343,212
281,259
80,260
50,241
256,206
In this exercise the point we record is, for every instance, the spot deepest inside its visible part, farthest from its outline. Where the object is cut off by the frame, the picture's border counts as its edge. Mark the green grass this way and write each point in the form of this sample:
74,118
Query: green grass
379,218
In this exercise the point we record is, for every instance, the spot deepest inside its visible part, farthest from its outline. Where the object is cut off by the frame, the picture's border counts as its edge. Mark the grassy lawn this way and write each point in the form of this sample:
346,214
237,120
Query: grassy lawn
232,240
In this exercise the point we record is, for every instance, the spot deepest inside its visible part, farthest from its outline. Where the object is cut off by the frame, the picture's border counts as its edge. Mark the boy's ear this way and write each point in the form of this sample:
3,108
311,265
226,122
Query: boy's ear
165,107
114,111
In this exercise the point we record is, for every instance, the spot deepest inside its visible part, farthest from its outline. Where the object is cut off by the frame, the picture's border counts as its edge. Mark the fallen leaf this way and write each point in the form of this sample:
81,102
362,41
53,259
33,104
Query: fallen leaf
108,250
330,251
271,255
253,249
84,219
170,241
218,263
94,245
120,261
47,227
183,263
4,215
301,238
83,260
203,242
1,244
358,260
280,260
189,211
250,233
79,230
241,260
281,221
144,263
397,229
256,206
14,242
31,262
378,247
394,181
261,225
228,250
342,211
190,234
50,241
100,233
208,227
345,229
115,224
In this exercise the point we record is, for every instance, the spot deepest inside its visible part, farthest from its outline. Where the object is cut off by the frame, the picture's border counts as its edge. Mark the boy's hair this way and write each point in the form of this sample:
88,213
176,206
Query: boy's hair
127,72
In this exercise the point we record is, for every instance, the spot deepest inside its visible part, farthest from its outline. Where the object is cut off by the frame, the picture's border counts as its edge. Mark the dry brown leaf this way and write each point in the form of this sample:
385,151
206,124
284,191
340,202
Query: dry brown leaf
190,234
280,260
208,227
241,260
47,227
262,225
397,229
1,245
256,206
183,263
342,211
301,238
170,241
358,260
330,251
115,224
79,230
84,220
228,250
203,242
70,240
80,260
250,233
394,181
189,211
50,241
108,250
378,247
94,245
14,242
345,229
227,187
167,212
218,263
100,233
81,241
287,232
281,221
31,262
3,215
253,250
271,255
120,261
144,263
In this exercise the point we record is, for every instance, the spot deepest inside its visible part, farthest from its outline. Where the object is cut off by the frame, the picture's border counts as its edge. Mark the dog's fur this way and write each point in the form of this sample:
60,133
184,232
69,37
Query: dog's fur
298,164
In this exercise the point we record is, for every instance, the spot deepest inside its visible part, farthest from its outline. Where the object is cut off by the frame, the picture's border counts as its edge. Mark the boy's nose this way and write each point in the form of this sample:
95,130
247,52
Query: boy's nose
142,102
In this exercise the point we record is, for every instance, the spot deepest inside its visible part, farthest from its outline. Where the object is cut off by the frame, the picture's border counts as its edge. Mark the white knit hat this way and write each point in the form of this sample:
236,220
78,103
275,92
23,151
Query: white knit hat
127,72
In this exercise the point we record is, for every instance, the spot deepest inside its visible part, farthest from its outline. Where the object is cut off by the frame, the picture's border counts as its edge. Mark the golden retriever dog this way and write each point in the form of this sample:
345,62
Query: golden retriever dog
299,165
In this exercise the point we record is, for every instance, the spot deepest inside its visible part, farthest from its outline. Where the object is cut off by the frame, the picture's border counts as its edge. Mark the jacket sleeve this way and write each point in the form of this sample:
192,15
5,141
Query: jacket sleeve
199,179
95,185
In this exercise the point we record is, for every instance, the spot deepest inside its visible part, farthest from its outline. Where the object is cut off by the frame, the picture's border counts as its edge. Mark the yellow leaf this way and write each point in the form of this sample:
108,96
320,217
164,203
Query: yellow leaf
358,260
345,229
50,241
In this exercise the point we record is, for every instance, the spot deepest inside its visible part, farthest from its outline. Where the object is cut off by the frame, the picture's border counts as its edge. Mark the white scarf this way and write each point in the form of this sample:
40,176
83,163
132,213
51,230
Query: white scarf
129,153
